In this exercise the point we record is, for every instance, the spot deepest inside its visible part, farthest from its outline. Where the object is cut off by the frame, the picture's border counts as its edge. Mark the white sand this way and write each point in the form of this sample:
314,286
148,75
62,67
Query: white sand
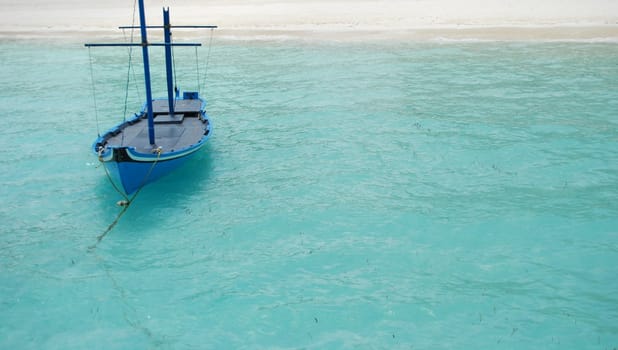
329,19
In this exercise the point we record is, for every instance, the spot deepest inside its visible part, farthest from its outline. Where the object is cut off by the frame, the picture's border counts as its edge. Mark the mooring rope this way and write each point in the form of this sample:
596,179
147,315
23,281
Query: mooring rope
127,201
129,312
128,308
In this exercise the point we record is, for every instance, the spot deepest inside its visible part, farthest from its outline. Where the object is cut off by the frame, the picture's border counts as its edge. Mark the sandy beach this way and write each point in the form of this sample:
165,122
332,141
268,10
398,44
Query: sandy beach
591,20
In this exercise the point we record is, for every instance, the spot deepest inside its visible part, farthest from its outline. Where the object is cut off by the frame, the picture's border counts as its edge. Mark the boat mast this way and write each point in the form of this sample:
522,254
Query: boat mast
142,21
168,59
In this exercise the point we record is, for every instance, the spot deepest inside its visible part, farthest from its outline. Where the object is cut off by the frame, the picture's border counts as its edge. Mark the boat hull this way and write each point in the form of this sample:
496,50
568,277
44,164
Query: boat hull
130,175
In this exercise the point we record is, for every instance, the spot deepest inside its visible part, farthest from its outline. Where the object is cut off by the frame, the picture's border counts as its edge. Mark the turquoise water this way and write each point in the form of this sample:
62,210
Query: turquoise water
353,196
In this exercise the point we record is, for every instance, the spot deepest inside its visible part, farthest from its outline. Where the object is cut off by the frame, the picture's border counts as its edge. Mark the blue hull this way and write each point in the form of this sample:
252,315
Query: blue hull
132,175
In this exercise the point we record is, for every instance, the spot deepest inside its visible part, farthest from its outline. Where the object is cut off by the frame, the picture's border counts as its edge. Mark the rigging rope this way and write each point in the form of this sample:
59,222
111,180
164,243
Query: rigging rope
94,93
207,59
174,68
139,96
126,94
131,40
197,71
174,65
129,70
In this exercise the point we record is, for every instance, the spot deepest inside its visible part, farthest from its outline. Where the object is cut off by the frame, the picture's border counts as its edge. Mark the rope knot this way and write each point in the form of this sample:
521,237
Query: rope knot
100,153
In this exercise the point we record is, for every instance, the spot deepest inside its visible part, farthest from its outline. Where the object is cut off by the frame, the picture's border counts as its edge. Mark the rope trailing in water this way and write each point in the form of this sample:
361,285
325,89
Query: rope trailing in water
128,311
127,201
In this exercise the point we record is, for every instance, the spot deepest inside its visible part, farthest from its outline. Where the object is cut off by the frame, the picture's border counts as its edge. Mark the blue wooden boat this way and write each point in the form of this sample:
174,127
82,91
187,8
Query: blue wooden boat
165,133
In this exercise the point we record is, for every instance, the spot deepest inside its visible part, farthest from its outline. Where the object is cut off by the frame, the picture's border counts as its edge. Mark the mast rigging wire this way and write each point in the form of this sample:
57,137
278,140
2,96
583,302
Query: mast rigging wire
129,69
173,67
94,93
197,71
207,61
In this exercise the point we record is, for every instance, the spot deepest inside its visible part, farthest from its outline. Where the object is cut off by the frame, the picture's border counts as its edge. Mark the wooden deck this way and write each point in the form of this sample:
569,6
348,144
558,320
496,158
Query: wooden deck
172,133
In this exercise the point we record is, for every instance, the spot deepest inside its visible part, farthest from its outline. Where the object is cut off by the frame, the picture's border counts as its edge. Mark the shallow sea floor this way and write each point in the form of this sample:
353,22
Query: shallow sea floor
352,196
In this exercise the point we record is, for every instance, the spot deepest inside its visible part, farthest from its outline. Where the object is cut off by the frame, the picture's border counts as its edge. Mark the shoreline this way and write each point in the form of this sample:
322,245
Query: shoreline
330,20
514,33
479,33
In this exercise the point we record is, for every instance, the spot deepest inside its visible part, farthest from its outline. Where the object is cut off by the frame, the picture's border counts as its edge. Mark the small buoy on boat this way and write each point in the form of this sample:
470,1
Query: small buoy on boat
123,203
